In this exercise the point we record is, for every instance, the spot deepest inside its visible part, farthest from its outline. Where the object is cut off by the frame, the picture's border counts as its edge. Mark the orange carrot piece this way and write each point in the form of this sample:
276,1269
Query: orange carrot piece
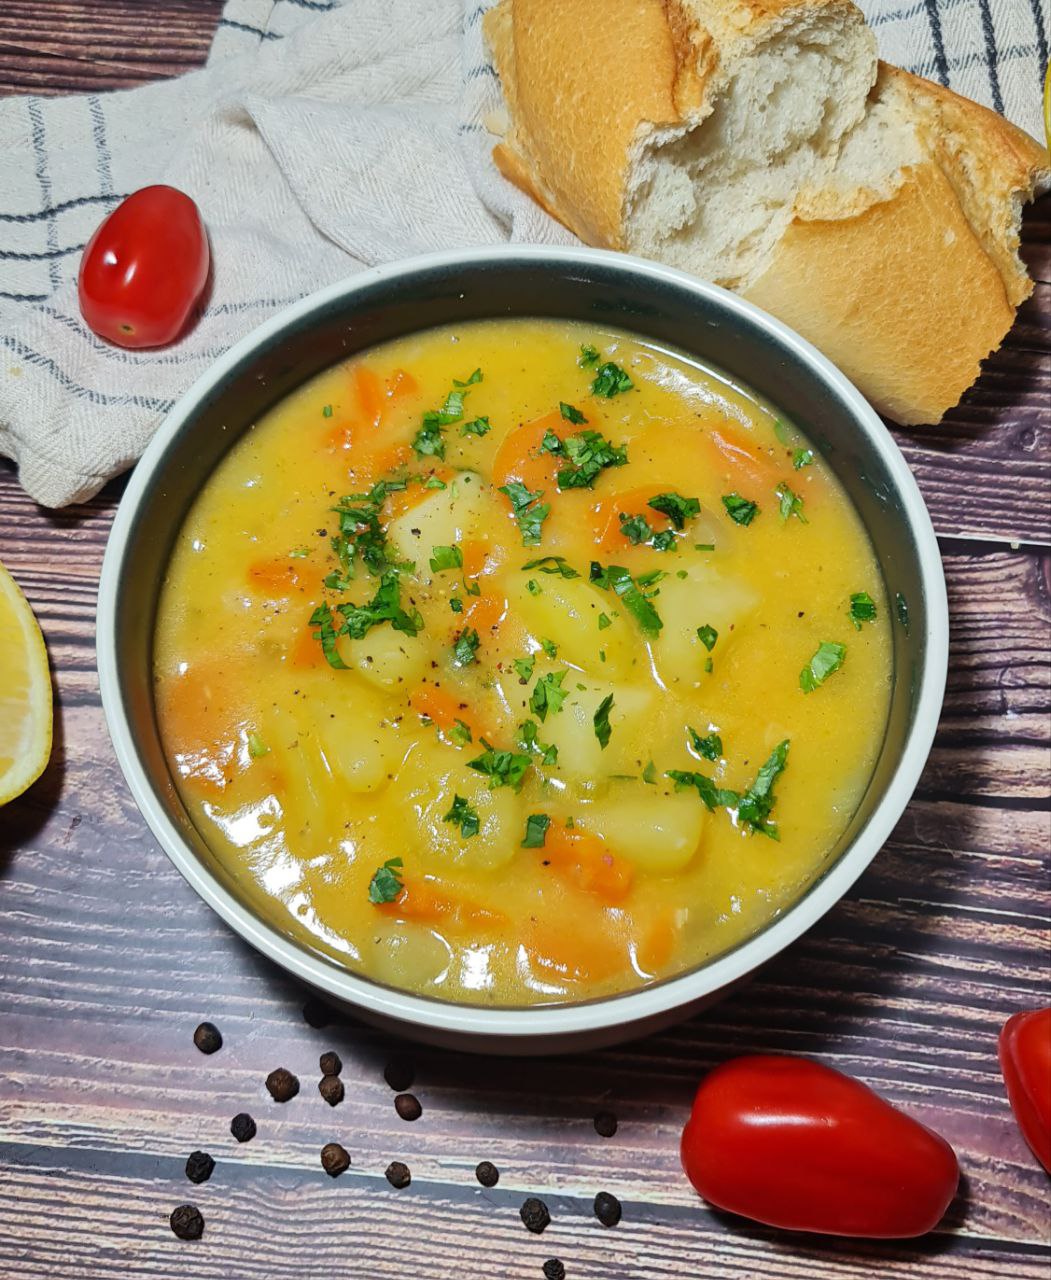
519,456
745,460
444,709
369,393
658,941
278,577
405,499
584,860
401,383
426,901
583,953
485,613
306,652
201,722
633,502
480,558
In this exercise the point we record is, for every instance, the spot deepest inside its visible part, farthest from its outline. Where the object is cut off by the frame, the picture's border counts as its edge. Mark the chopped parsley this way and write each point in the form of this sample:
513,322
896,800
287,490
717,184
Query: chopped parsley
429,440
601,721
740,510
604,621
528,510
707,636
434,482
571,414
502,768
588,355
256,746
649,774
548,695
710,747
469,382
465,649
756,803
902,606
635,528
536,831
549,647
590,454
862,609
615,578
677,508
789,503
476,427
828,658
361,536
802,458
456,604
326,412
466,816
713,797
386,884
610,380
446,558
524,669
551,443
534,588
299,553
359,619
552,564
460,733
528,740
782,432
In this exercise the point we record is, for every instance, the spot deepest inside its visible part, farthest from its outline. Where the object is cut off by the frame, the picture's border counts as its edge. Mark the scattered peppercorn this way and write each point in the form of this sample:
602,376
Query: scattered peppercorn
554,1270
331,1089
487,1174
207,1037
408,1106
282,1085
605,1124
317,1013
242,1126
187,1223
607,1209
534,1214
199,1166
331,1064
399,1073
334,1159
398,1174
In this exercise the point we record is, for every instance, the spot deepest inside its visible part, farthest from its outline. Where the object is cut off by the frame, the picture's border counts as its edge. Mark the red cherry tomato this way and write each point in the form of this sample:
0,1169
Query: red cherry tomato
1025,1059
144,269
797,1145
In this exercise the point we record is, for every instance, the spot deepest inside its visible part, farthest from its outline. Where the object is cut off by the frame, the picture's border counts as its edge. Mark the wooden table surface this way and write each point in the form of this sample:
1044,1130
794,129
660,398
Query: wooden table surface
108,960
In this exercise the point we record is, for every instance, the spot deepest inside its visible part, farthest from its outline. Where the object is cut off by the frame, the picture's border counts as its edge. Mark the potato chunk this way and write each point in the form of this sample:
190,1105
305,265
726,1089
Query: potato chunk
658,833
567,611
702,598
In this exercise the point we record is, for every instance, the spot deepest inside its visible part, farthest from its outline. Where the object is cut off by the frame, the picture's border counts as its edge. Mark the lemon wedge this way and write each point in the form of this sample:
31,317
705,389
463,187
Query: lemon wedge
25,693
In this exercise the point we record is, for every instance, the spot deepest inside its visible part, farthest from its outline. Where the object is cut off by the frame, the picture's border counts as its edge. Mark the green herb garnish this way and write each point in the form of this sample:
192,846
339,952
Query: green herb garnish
755,804
649,774
614,577
571,414
429,440
548,695
549,647
713,797
604,621
456,604
469,382
434,482
460,733
446,558
326,412
635,528
361,536
536,831
740,510
529,740
828,658
386,884
588,355
707,636
466,647
789,503
677,508
476,427
590,453
256,746
552,564
862,609
534,588
524,668
465,815
610,380
502,768
601,721
802,458
528,511
710,746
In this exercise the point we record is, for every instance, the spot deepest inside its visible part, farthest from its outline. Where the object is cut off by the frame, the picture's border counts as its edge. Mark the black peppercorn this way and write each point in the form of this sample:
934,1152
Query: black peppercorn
408,1106
243,1127
398,1174
317,1013
282,1085
334,1159
187,1223
534,1214
607,1209
487,1174
331,1089
199,1166
605,1124
331,1064
207,1037
399,1073
554,1270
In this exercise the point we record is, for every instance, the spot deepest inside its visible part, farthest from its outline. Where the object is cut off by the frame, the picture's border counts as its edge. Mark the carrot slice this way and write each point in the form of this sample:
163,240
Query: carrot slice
201,720
405,499
401,383
655,948
584,860
306,653
369,393
584,953
426,901
444,709
480,557
745,461
275,577
633,502
485,613
519,456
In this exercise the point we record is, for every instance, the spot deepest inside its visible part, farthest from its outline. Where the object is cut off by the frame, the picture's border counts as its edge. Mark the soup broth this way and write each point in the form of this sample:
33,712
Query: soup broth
521,661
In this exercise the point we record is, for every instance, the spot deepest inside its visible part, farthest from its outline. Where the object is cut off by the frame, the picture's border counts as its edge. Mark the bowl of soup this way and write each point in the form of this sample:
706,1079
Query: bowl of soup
522,646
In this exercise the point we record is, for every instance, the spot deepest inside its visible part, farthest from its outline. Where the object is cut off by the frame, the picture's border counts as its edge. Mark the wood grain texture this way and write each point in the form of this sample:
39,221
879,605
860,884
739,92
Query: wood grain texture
108,960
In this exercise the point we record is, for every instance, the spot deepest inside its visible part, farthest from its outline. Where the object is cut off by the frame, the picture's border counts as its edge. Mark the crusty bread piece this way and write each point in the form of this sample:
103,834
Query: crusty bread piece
759,144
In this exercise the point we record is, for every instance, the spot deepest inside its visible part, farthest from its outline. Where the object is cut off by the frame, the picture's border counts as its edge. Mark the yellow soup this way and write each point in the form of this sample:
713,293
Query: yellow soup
533,686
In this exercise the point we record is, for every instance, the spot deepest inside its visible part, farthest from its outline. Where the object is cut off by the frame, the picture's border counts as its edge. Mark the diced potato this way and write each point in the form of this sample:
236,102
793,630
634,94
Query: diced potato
387,658
567,611
406,955
658,833
702,598
572,729
362,748
445,516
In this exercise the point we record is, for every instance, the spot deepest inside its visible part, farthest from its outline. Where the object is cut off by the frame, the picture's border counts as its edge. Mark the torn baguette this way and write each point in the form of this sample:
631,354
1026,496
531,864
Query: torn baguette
759,144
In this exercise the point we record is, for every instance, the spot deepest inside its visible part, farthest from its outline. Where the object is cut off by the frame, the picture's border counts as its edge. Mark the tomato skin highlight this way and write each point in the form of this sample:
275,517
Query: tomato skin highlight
1025,1060
797,1145
145,269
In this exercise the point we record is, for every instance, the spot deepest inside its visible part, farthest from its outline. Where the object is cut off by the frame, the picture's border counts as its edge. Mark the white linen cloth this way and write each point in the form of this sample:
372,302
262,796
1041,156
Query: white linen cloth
323,136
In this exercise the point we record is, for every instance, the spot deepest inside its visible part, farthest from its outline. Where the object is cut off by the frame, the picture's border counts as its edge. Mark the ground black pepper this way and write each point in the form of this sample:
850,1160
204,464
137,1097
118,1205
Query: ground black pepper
207,1037
334,1159
487,1174
605,1124
282,1085
408,1106
554,1270
331,1089
317,1013
242,1126
534,1214
187,1223
607,1209
331,1064
398,1174
399,1073
199,1166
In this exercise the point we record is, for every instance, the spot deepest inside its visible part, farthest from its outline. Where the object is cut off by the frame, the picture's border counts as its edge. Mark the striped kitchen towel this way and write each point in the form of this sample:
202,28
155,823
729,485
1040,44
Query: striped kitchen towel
323,136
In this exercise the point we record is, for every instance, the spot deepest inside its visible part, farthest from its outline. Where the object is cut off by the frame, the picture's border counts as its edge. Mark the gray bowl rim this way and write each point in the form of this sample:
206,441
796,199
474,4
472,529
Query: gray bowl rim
594,1015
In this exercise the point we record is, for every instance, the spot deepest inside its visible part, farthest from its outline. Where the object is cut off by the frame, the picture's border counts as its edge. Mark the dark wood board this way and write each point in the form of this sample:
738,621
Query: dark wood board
108,960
